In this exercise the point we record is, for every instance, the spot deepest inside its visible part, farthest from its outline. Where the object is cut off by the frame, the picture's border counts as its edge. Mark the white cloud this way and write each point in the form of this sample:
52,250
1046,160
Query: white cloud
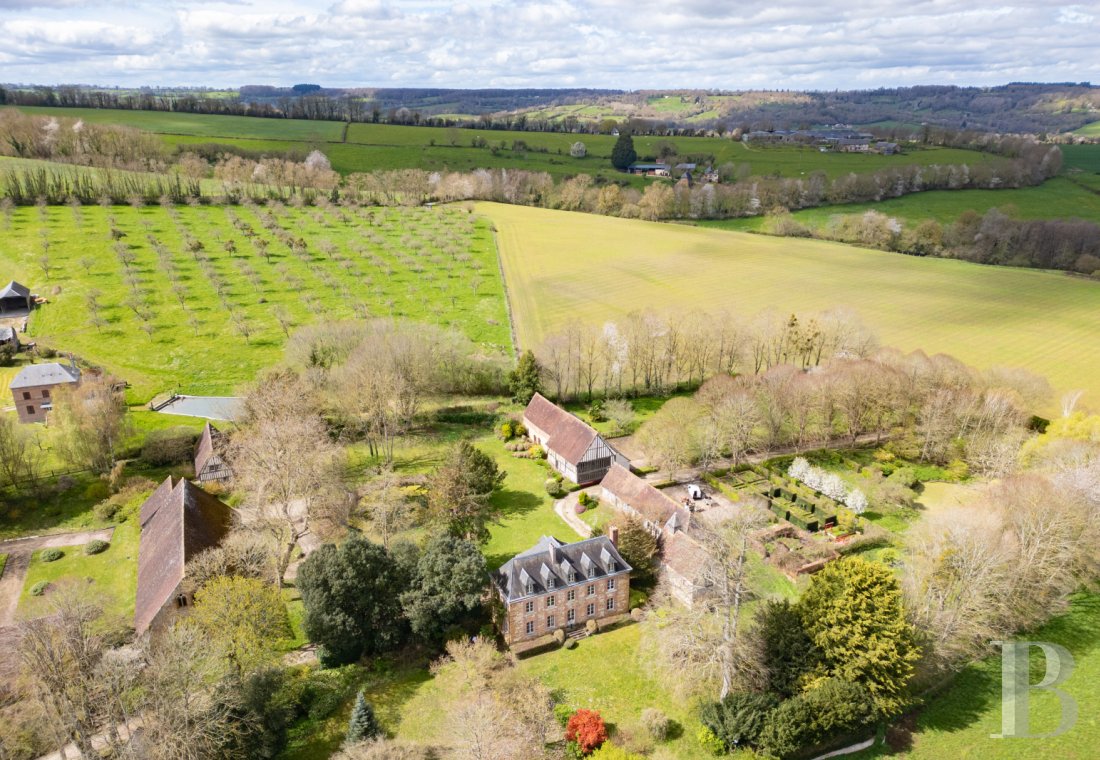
546,43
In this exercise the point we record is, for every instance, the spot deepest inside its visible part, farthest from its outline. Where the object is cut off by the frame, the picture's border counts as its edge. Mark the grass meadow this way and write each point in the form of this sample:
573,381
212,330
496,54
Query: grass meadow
176,319
562,265
958,722
370,147
1061,197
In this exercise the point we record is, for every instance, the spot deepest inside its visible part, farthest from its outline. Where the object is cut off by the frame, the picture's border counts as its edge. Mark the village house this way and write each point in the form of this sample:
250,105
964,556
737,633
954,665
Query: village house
650,170
683,560
34,387
887,148
15,298
177,522
210,464
556,586
573,448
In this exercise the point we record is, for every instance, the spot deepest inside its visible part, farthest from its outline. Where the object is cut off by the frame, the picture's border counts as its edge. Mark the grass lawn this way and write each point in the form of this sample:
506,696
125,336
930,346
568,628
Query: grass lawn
605,673
958,722
110,577
404,263
528,511
3,563
562,265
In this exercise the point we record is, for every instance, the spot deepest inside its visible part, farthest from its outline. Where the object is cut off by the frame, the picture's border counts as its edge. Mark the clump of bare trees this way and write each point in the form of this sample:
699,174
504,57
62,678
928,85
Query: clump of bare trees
981,573
932,408
653,352
374,376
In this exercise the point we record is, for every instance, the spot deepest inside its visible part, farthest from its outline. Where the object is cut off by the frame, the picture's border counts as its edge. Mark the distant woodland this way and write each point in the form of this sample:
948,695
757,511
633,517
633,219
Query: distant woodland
1014,108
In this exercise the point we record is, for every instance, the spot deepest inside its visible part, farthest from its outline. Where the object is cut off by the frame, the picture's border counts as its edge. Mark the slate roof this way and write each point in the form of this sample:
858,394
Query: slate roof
566,435
8,335
649,502
45,374
551,559
205,448
177,522
14,290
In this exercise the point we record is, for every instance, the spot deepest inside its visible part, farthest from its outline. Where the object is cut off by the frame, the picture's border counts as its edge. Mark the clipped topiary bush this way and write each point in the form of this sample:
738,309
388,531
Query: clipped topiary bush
570,643
39,588
95,547
592,627
553,488
51,555
559,636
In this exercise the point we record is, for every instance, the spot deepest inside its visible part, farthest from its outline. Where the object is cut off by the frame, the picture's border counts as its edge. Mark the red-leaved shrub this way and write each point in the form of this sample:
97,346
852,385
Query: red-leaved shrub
586,728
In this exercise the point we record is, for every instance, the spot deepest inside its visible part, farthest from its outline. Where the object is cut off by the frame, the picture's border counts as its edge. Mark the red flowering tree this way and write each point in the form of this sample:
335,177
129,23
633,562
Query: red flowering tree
586,728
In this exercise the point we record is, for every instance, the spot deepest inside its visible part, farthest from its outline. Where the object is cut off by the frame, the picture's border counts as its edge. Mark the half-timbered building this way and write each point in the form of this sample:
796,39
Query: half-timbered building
573,448
210,464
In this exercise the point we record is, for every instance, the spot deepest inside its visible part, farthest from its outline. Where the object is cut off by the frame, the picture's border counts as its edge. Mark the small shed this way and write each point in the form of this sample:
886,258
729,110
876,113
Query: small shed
15,298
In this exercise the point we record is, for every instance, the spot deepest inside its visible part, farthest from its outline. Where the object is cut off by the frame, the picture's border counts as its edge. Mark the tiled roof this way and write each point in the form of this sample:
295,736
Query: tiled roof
683,555
650,503
205,448
568,436
550,559
177,522
45,374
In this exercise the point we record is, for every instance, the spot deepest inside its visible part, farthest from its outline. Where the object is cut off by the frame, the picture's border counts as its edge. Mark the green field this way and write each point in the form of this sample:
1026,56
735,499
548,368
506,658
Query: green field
381,146
958,722
1060,197
1089,130
561,266
404,263
204,125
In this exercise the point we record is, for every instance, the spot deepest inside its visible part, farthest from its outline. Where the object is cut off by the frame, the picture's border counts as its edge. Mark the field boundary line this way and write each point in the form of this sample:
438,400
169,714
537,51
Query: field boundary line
507,292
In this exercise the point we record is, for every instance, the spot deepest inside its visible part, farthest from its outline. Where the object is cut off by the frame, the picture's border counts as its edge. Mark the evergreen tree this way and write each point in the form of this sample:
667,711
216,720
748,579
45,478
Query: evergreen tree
352,600
788,653
448,585
852,613
363,725
623,154
637,546
459,492
526,379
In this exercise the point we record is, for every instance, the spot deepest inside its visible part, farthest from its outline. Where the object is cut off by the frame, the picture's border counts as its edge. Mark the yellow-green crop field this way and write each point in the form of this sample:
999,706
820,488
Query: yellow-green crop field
561,265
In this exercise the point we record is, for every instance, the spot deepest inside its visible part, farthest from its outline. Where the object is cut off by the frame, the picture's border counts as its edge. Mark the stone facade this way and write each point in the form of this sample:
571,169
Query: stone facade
557,586
535,617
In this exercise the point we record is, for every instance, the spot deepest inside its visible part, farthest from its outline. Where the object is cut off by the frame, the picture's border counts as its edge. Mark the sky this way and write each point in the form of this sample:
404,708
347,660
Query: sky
616,44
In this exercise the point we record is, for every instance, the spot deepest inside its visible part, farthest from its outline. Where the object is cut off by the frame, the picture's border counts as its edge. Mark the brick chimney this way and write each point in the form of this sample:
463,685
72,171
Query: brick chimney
613,534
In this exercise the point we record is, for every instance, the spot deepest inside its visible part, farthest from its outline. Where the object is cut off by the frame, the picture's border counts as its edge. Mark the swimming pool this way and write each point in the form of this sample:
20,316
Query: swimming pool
209,407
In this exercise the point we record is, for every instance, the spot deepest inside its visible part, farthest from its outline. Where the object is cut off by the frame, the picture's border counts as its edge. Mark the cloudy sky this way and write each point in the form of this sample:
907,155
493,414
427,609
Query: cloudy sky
629,44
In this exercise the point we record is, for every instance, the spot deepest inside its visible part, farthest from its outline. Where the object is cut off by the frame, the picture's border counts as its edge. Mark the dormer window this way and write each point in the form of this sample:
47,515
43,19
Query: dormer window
550,582
529,587
572,576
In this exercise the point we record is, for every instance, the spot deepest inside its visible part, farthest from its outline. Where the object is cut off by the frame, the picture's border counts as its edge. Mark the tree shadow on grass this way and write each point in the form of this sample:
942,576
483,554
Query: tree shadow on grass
978,688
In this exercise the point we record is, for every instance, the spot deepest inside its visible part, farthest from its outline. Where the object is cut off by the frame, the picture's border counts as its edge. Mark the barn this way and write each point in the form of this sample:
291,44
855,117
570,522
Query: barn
210,464
177,522
573,448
